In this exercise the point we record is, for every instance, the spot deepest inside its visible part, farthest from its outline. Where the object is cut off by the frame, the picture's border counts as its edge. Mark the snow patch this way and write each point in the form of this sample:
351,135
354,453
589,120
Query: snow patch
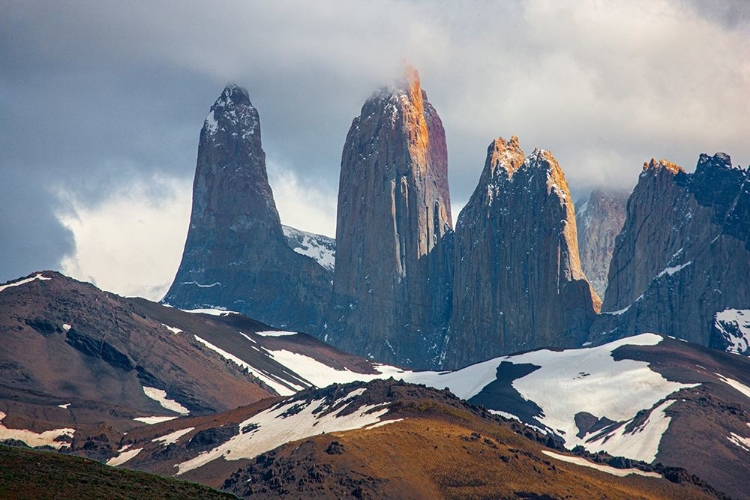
213,311
269,428
155,419
123,457
671,270
382,423
316,372
199,285
737,385
160,397
172,329
641,443
211,124
24,281
172,437
275,334
600,467
34,439
281,389
740,441
618,312
320,248
505,415
734,327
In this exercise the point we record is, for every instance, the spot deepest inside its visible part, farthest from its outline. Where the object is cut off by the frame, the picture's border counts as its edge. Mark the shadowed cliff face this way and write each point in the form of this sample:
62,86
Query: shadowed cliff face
393,262
683,255
599,221
236,255
518,282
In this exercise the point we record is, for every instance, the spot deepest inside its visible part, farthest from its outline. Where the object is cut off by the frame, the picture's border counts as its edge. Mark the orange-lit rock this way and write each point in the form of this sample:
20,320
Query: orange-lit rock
391,288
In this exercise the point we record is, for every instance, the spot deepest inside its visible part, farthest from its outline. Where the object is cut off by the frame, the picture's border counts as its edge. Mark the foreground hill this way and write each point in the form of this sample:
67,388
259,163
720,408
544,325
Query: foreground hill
38,475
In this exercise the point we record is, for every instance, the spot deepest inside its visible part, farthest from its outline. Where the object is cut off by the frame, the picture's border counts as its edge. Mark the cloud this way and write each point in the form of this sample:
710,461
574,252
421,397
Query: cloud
132,242
303,207
96,95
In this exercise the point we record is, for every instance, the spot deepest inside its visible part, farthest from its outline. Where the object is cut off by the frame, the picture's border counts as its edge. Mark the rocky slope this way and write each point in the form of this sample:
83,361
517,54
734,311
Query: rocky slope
518,282
646,398
391,286
599,220
682,262
80,367
353,441
236,255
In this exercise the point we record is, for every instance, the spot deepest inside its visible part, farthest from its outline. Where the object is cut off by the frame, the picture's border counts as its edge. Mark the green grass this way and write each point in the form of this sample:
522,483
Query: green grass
27,474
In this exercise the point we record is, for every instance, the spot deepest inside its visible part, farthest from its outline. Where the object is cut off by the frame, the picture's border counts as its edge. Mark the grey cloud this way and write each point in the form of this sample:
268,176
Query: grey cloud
95,94
30,236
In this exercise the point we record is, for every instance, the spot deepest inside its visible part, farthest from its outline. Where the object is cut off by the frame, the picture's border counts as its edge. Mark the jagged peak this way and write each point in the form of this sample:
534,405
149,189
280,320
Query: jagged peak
718,160
233,111
662,164
543,159
406,90
233,94
504,155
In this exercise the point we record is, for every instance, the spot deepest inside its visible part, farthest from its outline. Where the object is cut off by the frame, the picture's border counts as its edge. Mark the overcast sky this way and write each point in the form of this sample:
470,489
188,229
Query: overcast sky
101,105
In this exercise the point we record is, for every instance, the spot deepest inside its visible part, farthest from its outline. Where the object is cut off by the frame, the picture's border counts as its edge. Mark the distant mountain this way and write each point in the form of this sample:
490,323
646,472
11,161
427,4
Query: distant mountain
236,255
391,286
681,265
518,283
599,220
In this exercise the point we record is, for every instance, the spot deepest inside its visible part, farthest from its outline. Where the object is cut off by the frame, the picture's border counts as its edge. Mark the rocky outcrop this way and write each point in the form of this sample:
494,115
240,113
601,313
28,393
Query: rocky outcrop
236,255
599,220
391,287
683,255
518,282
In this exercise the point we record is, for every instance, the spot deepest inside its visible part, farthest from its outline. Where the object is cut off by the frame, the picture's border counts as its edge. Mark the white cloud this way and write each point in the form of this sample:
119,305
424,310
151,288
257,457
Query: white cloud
132,242
303,207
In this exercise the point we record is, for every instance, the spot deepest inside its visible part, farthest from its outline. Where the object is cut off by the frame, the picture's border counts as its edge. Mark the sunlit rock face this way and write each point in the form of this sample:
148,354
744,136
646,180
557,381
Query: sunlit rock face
681,265
236,255
518,283
391,288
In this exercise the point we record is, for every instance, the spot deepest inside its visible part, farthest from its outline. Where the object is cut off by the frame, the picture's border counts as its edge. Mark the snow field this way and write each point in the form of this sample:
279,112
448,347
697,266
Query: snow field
268,429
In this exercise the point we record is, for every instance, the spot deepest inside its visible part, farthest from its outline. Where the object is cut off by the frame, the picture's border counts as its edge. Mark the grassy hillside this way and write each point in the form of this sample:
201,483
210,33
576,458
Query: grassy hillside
30,474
